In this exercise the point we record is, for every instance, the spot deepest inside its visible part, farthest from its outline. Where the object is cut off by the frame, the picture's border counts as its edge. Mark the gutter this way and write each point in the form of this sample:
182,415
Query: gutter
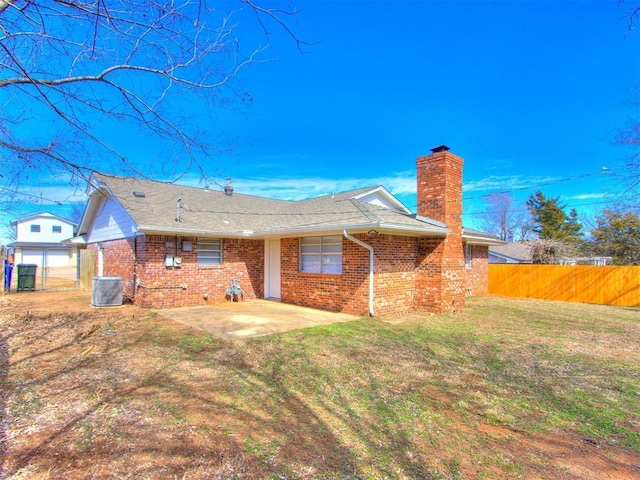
372,313
325,230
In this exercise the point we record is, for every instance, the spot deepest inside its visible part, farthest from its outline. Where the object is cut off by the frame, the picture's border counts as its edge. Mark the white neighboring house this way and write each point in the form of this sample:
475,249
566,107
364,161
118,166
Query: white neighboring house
40,240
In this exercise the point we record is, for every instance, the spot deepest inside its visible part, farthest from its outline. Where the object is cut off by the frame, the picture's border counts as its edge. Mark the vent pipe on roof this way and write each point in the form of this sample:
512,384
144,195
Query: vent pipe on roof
178,206
228,189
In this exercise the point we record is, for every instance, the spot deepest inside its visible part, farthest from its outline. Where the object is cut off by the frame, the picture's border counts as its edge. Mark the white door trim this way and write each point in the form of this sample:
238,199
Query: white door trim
272,268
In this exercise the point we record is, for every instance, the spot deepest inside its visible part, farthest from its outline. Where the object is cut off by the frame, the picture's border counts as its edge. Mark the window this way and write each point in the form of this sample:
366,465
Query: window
35,228
321,254
56,229
209,251
468,255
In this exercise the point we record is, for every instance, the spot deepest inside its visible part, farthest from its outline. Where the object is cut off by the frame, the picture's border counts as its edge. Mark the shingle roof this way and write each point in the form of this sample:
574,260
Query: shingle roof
519,251
167,207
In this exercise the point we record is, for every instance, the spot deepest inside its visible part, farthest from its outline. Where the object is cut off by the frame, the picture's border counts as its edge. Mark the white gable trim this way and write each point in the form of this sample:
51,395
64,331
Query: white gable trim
381,197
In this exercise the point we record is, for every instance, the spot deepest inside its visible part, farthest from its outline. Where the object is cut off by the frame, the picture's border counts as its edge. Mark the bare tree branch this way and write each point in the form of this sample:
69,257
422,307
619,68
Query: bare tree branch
76,65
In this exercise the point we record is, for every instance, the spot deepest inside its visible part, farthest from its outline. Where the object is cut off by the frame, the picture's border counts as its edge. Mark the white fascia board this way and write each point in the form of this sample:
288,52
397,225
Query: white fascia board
94,184
47,245
78,240
482,240
96,192
326,229
431,221
388,195
89,211
421,232
192,232
41,215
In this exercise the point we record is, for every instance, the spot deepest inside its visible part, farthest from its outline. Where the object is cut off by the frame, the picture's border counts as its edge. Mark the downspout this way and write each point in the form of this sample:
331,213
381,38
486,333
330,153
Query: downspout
136,281
100,259
372,313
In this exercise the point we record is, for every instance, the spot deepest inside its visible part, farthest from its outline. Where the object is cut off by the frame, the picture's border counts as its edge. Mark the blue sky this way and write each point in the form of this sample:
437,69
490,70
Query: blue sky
530,93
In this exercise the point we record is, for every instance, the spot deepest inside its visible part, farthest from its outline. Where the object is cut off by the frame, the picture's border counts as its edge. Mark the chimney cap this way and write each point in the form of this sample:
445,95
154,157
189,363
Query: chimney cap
440,148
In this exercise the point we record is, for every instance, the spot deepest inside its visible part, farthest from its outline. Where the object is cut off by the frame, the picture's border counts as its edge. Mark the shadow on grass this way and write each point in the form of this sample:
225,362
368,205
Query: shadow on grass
142,404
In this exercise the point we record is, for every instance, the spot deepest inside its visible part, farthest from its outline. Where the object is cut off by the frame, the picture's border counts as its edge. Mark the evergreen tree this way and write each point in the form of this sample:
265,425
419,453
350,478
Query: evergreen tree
550,222
617,235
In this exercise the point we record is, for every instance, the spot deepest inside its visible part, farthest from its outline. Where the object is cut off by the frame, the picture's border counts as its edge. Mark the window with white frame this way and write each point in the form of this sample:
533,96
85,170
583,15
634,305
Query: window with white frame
56,229
468,255
321,254
209,251
35,228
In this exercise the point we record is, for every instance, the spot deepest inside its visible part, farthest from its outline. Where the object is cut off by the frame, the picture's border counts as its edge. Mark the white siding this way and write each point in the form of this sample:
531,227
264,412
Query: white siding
110,223
376,198
46,222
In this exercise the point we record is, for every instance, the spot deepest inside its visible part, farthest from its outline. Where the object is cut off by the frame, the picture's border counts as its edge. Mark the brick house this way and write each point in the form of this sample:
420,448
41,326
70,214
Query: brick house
360,252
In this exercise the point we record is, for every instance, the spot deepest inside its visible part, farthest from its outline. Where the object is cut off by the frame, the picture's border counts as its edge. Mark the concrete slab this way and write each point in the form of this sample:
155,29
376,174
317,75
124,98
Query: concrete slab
251,318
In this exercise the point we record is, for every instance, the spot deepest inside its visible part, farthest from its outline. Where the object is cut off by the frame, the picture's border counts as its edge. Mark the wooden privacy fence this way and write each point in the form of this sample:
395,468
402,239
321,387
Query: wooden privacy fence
570,283
87,268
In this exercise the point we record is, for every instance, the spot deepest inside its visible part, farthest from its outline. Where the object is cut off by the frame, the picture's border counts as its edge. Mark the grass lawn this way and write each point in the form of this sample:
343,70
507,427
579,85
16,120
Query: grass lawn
506,389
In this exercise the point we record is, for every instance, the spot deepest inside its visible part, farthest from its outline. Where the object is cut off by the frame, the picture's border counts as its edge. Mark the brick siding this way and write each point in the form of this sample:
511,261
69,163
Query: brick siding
478,274
191,284
394,261
440,267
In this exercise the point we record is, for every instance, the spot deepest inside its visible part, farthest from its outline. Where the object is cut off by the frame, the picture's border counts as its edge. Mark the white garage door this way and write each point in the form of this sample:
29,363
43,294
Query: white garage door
57,258
32,257
54,258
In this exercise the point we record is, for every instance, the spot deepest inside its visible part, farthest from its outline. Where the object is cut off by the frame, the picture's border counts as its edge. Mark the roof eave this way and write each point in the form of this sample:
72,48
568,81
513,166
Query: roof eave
508,258
326,229
40,245
477,240
475,237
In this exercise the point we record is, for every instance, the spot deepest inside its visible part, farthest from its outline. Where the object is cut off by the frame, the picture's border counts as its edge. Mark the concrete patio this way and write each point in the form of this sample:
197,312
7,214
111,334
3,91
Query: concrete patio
251,318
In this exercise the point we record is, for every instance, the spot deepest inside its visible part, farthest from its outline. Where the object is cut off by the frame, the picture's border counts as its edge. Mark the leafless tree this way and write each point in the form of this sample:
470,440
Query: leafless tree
629,134
632,13
504,219
69,68
549,251
628,178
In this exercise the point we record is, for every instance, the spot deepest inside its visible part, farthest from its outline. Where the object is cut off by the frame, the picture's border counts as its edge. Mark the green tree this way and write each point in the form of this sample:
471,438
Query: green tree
550,222
617,235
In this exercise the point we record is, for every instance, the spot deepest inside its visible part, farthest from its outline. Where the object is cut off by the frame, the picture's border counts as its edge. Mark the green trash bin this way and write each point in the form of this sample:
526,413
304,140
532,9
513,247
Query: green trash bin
26,277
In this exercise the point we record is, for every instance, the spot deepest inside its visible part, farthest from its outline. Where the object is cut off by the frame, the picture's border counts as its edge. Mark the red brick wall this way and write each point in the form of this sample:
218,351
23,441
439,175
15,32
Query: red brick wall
478,274
348,292
395,259
119,259
440,274
409,274
394,280
191,284
194,284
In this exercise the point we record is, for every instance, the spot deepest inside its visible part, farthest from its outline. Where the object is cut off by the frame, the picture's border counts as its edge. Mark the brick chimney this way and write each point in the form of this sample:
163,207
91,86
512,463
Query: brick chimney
440,273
